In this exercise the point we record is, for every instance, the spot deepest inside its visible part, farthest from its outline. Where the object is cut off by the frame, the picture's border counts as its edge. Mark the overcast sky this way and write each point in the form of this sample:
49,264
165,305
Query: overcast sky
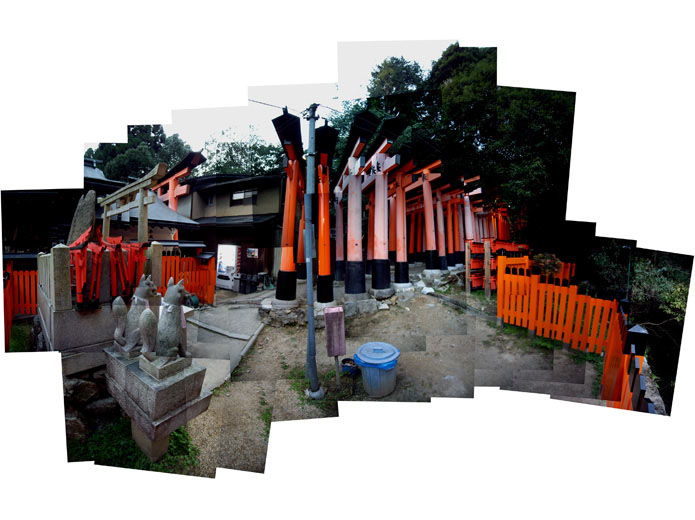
356,60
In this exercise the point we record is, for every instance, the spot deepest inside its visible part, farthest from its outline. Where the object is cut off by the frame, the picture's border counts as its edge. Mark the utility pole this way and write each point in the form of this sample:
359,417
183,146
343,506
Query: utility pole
315,391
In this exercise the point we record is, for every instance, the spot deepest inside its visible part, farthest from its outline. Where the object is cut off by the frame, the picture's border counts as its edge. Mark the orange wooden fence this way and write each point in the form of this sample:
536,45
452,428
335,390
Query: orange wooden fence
198,278
557,311
24,292
19,298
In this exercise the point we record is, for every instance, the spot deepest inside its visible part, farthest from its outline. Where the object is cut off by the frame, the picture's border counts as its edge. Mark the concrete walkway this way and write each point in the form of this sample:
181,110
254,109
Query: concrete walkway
217,337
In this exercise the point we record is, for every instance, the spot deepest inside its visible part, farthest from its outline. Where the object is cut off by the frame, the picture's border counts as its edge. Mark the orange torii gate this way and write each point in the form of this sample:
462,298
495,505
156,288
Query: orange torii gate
357,176
293,261
288,130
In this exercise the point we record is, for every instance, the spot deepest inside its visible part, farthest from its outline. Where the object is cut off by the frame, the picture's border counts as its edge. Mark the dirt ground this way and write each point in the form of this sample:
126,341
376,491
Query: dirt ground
445,352
437,344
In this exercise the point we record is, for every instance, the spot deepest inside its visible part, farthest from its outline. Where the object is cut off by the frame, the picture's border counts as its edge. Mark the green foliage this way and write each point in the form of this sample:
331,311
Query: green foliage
266,416
342,122
133,163
236,156
328,403
173,150
530,156
524,342
114,446
656,286
147,146
19,336
395,75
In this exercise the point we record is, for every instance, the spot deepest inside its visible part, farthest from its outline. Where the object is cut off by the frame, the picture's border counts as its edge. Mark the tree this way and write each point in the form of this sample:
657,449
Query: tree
173,150
529,159
139,154
658,295
251,156
395,75
131,164
342,123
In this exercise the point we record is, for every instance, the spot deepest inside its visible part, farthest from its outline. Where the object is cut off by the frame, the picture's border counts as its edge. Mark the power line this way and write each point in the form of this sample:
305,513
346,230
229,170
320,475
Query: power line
275,106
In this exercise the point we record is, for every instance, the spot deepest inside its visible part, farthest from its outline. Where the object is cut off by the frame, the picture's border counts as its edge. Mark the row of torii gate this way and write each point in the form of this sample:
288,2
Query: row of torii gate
411,215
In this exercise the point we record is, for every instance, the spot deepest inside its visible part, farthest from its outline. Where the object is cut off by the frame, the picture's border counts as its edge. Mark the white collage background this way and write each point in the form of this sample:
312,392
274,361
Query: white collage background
79,72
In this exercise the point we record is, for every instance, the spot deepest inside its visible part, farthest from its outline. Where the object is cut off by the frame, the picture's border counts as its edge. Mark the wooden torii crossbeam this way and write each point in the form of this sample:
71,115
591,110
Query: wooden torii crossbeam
126,199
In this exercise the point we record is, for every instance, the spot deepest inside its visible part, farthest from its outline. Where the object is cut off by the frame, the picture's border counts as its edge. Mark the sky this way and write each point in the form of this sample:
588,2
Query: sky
356,60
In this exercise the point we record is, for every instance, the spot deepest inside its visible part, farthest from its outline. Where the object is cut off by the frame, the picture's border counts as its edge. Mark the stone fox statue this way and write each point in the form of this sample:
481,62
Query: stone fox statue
127,333
171,337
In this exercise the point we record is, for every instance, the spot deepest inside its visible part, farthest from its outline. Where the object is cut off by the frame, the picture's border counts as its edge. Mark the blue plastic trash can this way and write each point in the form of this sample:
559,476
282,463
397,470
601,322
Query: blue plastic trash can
378,362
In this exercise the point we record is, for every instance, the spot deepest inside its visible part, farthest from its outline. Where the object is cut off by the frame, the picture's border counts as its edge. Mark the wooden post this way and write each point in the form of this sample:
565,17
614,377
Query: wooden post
354,280
106,227
300,263
381,273
324,282
450,233
401,272
468,268
441,246
392,229
286,289
143,226
501,266
339,243
430,244
488,262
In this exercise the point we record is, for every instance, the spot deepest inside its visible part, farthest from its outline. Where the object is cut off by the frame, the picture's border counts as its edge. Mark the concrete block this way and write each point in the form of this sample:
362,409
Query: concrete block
154,449
157,368
381,294
157,398
72,329
116,365
74,362
165,425
356,297
61,295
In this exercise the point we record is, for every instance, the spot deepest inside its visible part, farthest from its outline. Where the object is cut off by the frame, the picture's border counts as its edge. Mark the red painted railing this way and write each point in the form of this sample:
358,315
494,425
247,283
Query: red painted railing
557,311
198,278
19,298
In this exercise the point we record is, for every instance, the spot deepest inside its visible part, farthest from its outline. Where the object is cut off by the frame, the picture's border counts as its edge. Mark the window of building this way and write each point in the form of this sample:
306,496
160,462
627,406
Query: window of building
210,199
246,198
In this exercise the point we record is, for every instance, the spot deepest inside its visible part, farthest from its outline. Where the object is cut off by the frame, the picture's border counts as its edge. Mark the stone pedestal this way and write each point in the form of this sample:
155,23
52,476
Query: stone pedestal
154,450
155,406
382,294
359,307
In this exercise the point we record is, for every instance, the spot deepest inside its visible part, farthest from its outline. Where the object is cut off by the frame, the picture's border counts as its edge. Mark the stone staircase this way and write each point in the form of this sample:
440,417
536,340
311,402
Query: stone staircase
544,372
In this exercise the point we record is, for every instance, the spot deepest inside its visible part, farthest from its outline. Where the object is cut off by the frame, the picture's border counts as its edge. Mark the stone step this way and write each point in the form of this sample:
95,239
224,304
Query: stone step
566,370
492,377
585,400
217,330
214,350
216,373
533,375
553,388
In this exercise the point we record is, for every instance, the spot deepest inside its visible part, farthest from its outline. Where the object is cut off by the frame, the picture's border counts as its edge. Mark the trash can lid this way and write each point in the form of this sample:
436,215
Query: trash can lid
377,353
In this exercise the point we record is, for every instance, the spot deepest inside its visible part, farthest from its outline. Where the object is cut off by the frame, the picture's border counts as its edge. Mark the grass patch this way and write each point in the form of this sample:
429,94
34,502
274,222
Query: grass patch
266,416
114,446
328,403
222,389
19,336
283,362
524,342
581,356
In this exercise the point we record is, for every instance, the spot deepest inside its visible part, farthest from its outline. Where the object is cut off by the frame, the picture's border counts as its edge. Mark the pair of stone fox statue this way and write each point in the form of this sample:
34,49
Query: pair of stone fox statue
139,328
